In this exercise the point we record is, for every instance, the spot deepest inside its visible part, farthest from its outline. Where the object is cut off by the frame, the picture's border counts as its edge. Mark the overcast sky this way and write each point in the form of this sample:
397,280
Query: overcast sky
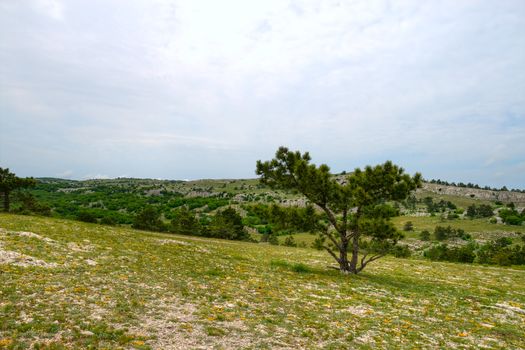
202,89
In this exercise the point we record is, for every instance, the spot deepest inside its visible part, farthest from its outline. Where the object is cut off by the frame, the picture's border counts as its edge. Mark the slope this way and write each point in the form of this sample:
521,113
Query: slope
70,285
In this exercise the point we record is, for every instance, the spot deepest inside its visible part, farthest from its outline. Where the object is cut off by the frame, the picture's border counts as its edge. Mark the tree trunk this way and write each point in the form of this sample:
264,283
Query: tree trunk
355,254
343,259
6,201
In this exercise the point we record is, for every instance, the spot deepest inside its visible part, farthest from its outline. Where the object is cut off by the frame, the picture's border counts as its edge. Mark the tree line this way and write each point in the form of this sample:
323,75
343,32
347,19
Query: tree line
471,185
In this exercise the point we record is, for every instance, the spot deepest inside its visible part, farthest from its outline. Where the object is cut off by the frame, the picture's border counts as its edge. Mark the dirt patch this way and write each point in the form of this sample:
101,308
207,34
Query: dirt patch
173,241
28,234
14,258
75,247
171,325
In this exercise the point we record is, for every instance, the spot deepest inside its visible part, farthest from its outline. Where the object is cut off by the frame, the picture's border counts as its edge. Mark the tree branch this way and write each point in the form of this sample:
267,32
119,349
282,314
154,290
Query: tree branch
332,239
363,258
330,251
331,216
372,258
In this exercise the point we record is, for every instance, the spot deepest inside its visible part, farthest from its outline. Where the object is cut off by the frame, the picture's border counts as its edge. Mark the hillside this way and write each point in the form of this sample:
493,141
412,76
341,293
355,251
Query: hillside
71,285
474,193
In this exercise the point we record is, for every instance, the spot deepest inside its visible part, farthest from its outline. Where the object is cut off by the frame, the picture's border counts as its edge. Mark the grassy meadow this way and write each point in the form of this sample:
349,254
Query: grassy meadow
72,285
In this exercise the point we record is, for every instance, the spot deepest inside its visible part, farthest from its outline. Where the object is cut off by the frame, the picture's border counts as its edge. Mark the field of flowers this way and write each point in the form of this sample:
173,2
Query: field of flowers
71,285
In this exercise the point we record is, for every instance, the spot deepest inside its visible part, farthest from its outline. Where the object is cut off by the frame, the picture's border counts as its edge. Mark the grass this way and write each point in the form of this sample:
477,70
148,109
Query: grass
73,285
479,228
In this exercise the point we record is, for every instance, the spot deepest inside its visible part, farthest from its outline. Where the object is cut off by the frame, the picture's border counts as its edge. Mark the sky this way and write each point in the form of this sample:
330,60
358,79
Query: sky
203,89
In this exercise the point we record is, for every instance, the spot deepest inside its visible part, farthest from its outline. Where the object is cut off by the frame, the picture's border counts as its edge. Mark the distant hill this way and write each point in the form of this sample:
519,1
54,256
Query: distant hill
474,193
246,187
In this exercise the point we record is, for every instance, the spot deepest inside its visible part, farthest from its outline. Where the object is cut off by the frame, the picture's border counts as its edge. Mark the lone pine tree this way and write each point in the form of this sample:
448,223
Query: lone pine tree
356,204
10,182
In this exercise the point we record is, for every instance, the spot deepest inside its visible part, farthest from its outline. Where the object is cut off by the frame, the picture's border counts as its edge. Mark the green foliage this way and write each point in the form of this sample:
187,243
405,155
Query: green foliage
481,211
401,251
272,239
149,218
295,267
290,241
185,222
511,216
227,224
319,242
441,252
366,190
108,220
10,182
27,204
87,216
424,235
443,233
501,252
497,252
211,203
441,206
284,219
408,226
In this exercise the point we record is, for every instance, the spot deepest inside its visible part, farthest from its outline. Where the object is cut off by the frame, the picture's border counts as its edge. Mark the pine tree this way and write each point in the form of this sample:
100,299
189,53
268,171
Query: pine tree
355,206
10,182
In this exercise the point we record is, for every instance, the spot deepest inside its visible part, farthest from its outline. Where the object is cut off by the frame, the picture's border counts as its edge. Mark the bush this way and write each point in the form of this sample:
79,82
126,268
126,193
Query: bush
408,226
185,222
290,241
401,251
464,254
148,219
87,216
513,220
29,205
227,224
511,216
500,252
318,243
443,233
272,239
108,220
424,235
436,252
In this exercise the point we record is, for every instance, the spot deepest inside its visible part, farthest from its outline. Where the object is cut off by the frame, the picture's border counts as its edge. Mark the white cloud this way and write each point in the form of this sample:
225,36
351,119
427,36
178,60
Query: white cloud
51,8
352,82
66,174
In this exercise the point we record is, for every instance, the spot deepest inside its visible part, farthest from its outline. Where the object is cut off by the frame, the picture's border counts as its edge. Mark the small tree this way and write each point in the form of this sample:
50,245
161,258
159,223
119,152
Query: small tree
424,235
185,222
148,219
290,241
355,205
10,182
408,226
227,224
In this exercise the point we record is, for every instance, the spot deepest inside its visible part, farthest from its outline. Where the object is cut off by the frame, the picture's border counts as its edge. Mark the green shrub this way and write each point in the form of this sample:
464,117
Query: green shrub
424,235
108,220
149,219
86,216
401,251
272,239
227,224
290,241
318,243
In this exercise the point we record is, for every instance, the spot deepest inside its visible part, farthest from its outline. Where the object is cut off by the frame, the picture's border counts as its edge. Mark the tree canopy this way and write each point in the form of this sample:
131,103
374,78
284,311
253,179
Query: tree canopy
10,182
356,204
